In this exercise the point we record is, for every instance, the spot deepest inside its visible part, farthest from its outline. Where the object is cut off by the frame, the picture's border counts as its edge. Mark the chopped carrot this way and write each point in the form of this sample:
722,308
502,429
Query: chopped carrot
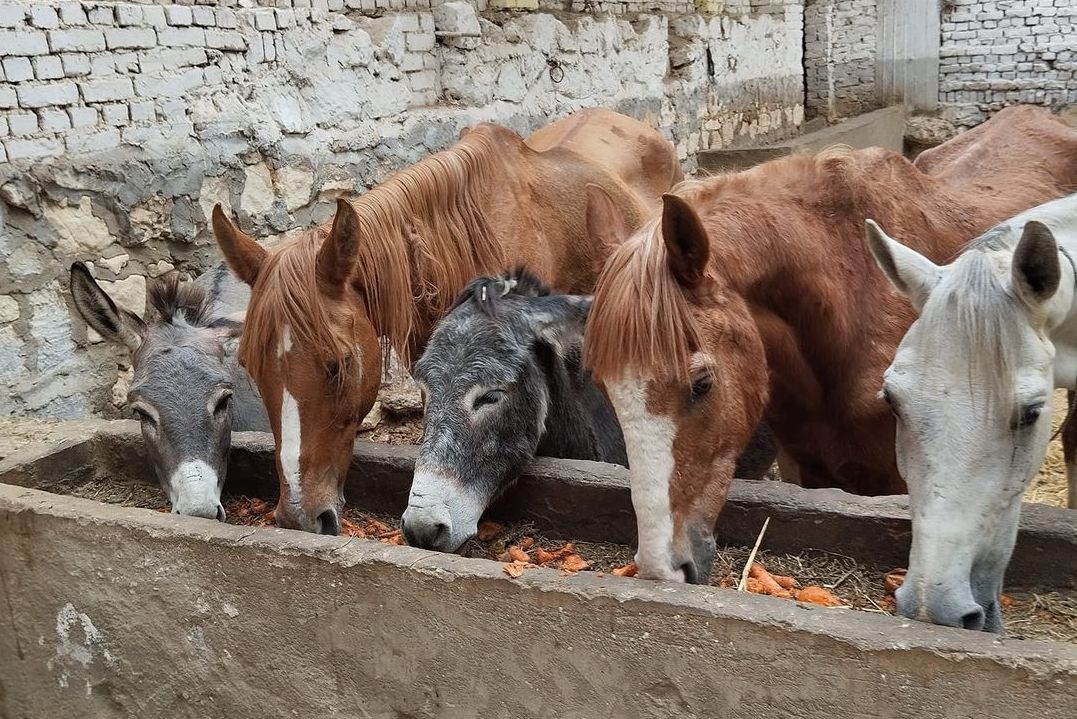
349,528
1007,601
513,570
271,518
628,570
488,531
544,557
818,595
526,543
516,554
377,528
574,563
767,582
785,582
394,537
754,586
894,579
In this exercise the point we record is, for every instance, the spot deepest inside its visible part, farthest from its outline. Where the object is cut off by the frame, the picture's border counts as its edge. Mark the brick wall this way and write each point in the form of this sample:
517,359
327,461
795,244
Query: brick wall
839,57
1000,52
122,124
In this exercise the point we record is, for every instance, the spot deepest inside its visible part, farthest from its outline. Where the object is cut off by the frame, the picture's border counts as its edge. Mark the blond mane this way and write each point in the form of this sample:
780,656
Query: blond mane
422,237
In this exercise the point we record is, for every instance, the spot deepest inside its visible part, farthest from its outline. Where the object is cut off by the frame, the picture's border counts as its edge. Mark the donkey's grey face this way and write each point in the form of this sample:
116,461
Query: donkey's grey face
182,392
182,386
484,382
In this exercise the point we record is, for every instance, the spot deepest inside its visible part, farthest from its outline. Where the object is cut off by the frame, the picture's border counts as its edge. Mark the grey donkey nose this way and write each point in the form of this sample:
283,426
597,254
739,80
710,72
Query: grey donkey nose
948,609
428,528
206,511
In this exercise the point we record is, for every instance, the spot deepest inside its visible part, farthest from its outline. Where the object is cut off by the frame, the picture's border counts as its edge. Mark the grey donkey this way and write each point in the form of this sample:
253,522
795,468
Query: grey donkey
188,390
502,381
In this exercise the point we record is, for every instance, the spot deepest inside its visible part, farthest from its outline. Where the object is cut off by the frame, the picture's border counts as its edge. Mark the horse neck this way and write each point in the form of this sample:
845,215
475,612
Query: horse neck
428,231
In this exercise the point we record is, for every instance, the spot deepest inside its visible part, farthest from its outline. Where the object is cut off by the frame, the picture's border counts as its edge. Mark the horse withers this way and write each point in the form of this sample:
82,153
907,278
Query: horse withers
753,293
503,382
328,301
970,388
188,391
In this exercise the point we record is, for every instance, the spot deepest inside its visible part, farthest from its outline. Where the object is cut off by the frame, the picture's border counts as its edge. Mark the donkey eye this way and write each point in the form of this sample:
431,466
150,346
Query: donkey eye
144,417
223,403
492,397
1028,416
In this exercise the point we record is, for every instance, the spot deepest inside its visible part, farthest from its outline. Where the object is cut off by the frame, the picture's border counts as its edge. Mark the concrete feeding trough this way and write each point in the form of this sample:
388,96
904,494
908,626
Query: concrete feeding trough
118,611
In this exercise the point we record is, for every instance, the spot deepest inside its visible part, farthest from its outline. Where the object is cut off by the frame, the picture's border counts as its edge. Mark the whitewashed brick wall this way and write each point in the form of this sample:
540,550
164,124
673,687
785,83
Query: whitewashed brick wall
1000,52
839,57
122,124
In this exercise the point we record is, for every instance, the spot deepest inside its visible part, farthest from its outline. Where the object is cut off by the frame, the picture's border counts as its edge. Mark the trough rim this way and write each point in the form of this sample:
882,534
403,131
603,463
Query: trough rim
864,631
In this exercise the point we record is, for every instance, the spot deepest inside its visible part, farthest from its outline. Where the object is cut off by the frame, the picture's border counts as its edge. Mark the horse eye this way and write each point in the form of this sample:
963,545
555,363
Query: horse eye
1029,414
701,385
332,369
492,397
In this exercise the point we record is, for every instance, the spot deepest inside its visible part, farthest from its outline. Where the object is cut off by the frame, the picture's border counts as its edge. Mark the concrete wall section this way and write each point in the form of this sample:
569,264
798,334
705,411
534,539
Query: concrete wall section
996,53
122,124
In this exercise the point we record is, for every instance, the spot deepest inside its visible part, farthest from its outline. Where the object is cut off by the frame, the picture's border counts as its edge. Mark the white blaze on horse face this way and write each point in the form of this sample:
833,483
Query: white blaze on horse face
289,429
649,444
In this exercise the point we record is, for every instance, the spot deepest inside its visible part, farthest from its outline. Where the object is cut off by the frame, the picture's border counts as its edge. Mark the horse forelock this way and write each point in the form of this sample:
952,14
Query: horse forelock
641,321
973,320
286,294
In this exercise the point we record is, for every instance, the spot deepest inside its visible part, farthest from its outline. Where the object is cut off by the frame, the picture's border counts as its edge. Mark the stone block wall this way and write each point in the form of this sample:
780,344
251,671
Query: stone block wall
1001,52
122,124
840,57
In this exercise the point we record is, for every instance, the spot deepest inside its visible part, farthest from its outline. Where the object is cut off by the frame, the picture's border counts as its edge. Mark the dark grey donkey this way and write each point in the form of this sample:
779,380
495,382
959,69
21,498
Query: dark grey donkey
502,382
188,391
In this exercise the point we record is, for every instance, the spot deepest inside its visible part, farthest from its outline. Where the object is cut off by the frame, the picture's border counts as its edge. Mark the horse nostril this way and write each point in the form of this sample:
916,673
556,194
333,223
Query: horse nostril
973,620
328,523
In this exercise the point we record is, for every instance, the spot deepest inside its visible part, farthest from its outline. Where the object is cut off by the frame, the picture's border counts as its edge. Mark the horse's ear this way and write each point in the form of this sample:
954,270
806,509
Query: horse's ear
911,274
336,258
561,322
95,306
242,252
605,223
1036,271
687,247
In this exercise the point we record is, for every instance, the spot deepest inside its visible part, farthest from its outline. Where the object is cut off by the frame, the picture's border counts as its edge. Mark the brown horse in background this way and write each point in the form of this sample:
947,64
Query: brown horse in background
392,261
755,291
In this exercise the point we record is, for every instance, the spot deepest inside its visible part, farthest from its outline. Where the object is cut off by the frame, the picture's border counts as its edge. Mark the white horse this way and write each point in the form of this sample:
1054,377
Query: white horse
971,388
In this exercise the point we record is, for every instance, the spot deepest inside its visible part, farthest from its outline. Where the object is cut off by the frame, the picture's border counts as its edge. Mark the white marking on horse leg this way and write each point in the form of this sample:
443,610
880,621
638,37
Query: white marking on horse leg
289,429
193,489
649,442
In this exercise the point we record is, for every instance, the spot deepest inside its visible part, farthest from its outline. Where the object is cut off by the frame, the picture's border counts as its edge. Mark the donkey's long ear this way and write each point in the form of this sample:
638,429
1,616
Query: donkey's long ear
687,246
605,223
911,274
95,306
244,255
1036,271
336,258
561,321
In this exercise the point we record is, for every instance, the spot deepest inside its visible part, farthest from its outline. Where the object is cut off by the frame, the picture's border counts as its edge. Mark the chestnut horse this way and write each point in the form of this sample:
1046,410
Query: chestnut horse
755,291
327,304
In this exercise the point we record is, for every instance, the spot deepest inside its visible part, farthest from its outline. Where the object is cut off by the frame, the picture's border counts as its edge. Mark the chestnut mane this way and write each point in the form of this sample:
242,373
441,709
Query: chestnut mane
776,218
422,237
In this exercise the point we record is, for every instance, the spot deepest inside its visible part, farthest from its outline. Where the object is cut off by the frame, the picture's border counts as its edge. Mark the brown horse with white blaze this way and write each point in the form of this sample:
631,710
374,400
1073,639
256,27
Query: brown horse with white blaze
753,294
326,304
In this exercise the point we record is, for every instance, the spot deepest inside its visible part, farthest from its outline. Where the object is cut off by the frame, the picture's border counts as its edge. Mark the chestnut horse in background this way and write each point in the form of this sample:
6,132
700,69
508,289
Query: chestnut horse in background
326,304
754,293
